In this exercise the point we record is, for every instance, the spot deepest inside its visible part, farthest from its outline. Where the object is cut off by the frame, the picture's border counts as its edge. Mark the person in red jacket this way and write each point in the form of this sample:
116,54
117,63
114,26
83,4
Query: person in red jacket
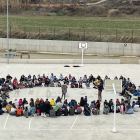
117,102
41,100
79,110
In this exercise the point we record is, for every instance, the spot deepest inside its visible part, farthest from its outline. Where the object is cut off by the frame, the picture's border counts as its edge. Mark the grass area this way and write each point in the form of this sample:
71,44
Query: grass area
62,24
47,23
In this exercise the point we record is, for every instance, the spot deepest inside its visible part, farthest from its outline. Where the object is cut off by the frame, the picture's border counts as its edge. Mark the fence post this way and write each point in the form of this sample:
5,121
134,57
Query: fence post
84,34
100,34
116,35
39,32
10,31
69,33
132,36
54,31
24,29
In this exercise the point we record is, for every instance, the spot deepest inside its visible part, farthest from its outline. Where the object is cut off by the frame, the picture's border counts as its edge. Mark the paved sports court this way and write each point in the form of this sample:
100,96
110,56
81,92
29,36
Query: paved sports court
70,127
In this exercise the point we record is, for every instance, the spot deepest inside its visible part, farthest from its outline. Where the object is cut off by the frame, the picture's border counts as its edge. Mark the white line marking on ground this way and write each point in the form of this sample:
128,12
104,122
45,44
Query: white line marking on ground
40,70
72,129
1,72
102,71
62,129
74,122
23,70
30,123
127,70
6,121
65,69
4,69
135,116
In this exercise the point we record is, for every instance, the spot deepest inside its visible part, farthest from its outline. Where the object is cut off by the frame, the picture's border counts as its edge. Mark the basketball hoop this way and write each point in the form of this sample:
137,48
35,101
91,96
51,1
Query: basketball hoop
83,45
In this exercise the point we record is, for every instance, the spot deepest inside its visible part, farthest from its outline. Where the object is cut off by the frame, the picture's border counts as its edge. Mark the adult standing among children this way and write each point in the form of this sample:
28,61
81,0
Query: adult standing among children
100,88
64,90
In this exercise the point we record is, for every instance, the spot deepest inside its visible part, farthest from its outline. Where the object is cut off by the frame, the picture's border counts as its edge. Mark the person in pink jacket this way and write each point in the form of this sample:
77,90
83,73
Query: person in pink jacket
20,102
15,82
122,109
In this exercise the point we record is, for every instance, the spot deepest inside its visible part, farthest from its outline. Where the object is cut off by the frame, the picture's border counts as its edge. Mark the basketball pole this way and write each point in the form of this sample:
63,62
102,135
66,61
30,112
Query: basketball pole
114,128
7,36
82,56
48,87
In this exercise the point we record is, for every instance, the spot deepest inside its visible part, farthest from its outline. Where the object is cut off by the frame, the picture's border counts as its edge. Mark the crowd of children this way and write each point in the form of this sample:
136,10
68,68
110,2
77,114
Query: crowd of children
55,108
8,84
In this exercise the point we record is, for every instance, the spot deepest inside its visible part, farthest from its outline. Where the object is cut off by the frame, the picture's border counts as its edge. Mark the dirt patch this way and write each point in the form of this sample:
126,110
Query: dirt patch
114,13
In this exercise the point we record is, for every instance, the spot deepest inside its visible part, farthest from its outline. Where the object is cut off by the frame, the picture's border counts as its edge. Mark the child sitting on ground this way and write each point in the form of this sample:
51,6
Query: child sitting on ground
40,84
19,111
20,102
55,84
59,84
78,110
72,85
76,85
80,85
87,85
36,84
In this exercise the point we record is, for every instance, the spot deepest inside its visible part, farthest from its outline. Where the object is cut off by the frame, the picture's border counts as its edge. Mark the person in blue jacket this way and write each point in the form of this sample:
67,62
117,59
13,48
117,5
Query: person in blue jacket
133,104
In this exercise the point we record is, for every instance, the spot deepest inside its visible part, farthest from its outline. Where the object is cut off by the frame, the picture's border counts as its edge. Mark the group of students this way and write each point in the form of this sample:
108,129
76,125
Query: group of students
48,108
53,81
29,81
8,84
25,82
123,106
57,108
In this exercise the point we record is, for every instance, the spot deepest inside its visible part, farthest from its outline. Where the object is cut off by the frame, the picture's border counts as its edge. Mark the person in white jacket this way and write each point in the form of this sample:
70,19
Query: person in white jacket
13,110
136,108
16,103
26,109
59,104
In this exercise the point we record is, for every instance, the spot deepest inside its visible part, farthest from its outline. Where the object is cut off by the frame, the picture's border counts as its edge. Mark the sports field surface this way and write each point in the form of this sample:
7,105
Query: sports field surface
70,127
92,25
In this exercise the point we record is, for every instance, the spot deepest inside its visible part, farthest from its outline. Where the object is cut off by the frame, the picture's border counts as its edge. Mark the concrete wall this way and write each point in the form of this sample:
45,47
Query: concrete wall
105,48
61,61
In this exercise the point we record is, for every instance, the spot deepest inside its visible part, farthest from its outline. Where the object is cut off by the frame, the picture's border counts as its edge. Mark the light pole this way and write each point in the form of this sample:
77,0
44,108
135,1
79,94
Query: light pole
7,36
82,56
114,128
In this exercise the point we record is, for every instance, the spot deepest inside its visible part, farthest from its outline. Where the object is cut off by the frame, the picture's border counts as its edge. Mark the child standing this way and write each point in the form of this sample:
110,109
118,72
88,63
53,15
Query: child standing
85,98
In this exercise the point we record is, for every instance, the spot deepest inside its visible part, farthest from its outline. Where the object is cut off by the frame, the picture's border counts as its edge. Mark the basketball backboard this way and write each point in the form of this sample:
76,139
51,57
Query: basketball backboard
109,87
83,45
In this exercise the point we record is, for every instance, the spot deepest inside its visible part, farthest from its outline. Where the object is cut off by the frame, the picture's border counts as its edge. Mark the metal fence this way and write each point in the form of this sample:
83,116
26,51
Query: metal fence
74,34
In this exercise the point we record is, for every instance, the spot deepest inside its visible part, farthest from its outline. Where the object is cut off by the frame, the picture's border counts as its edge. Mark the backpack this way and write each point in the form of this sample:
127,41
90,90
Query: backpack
106,110
95,111
87,111
52,113
58,112
26,109
76,85
72,85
